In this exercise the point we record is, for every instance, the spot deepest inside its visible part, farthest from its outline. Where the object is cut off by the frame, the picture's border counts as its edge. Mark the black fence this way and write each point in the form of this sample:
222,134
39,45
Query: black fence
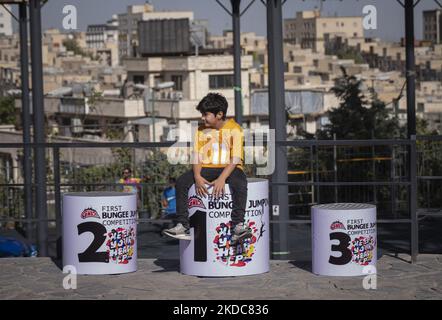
401,177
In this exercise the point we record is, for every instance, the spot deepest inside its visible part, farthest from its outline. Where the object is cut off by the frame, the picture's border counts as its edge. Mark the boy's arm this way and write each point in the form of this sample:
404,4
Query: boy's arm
236,152
229,169
200,182
218,184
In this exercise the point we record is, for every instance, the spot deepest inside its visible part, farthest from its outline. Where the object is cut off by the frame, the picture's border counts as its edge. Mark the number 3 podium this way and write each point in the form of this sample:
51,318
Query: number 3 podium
344,239
99,232
210,253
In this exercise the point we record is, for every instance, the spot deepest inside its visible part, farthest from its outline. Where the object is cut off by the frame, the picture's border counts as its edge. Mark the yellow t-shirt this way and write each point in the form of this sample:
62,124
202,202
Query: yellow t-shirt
217,148
132,184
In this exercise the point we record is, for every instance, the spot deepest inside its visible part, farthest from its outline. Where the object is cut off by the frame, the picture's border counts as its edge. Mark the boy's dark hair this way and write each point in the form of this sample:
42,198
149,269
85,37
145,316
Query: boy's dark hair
172,180
214,103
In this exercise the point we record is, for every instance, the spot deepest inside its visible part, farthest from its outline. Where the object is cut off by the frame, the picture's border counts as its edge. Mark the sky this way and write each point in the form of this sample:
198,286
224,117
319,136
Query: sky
390,13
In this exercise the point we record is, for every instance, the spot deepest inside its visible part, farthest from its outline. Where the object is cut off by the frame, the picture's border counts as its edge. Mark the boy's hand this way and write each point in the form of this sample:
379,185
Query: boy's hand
200,186
218,187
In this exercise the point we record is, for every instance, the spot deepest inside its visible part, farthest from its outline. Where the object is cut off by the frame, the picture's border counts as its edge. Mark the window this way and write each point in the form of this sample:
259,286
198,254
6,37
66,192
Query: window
222,81
139,79
178,80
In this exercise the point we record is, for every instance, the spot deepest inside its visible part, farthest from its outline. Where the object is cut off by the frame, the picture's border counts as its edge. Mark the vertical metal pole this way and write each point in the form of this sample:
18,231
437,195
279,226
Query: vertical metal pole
413,201
57,192
411,123
335,167
393,187
410,67
39,126
318,190
277,114
26,119
153,115
237,58
312,177
373,168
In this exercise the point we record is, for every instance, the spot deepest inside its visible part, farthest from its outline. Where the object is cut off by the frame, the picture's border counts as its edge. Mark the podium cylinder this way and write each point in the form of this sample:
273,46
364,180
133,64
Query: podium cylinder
99,232
210,253
344,239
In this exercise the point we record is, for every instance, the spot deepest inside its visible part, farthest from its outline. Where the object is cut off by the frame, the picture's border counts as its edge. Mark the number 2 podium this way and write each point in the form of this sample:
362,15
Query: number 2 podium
210,253
99,232
344,239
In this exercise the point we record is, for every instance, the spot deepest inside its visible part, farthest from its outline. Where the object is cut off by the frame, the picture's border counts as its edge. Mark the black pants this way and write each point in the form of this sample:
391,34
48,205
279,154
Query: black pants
238,187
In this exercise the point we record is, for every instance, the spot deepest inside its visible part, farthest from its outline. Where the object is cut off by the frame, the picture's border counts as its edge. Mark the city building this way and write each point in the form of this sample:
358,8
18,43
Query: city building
311,30
9,63
5,21
102,40
193,77
128,40
432,26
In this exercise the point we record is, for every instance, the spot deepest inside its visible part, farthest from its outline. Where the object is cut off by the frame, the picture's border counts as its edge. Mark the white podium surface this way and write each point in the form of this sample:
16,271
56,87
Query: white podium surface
210,253
344,239
100,232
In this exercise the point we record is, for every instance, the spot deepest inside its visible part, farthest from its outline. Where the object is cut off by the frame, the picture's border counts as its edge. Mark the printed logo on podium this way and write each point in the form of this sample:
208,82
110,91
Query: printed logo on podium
337,225
89,213
195,202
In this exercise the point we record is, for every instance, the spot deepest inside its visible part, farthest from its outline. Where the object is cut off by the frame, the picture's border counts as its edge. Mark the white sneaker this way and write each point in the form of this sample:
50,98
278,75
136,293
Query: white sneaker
178,232
240,231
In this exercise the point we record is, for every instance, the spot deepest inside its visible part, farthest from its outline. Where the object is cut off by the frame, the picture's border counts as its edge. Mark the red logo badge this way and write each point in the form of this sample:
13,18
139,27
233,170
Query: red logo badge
337,225
194,201
89,213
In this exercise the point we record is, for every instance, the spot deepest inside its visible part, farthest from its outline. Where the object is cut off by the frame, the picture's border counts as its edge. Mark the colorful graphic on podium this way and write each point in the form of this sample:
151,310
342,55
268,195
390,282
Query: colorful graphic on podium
211,251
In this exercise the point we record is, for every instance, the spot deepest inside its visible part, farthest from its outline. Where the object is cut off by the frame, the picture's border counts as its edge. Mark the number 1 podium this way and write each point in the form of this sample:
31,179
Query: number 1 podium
210,253
99,232
344,239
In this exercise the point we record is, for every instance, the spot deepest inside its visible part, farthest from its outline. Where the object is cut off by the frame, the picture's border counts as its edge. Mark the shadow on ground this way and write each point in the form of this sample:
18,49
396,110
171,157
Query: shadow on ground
168,265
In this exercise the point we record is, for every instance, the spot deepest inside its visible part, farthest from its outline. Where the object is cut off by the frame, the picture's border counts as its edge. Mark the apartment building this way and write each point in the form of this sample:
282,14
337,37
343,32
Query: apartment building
5,21
311,30
193,77
102,40
128,39
432,25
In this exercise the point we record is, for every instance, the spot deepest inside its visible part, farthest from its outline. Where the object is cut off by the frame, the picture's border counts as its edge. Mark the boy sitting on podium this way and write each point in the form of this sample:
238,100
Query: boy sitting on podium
219,157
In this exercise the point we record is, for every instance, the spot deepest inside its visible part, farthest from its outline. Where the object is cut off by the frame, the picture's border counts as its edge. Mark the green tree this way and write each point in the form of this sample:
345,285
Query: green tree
350,53
356,117
7,110
72,45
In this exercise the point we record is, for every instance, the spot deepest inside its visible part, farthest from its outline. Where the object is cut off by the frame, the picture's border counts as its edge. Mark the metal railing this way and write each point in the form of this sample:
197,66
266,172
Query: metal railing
323,178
